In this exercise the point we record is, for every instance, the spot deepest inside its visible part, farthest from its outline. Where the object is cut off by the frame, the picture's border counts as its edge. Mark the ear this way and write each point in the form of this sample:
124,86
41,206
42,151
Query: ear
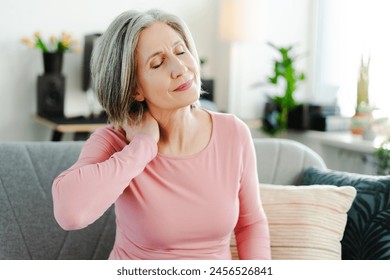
139,97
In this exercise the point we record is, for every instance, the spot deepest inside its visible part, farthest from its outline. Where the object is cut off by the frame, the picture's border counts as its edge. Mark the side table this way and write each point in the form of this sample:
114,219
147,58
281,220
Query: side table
80,126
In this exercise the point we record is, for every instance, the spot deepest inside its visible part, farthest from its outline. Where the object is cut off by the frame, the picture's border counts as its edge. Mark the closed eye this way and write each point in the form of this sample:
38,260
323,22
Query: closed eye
180,49
157,66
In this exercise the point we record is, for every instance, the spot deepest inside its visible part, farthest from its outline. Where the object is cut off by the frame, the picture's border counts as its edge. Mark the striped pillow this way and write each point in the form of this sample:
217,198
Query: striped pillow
308,222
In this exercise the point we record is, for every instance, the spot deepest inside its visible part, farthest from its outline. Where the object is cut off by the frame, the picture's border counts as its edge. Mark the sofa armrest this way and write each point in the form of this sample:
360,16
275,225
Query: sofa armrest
283,161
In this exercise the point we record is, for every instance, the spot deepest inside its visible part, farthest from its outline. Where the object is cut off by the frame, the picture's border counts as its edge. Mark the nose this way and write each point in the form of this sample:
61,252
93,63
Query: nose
178,67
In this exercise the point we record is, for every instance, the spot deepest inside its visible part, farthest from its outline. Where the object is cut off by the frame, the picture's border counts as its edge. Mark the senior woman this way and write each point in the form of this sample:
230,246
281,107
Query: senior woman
182,178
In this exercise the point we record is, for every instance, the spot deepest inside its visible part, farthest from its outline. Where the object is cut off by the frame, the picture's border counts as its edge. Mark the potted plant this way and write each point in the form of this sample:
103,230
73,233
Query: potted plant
275,118
52,50
383,156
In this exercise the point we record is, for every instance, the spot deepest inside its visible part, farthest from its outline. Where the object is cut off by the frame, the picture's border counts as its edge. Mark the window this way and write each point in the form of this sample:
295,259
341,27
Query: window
346,31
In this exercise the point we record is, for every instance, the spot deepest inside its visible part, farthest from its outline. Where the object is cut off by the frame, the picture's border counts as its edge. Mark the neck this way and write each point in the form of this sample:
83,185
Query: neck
177,130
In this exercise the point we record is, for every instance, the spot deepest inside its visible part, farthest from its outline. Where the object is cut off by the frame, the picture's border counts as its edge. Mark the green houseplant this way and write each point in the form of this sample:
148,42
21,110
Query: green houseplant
276,119
383,156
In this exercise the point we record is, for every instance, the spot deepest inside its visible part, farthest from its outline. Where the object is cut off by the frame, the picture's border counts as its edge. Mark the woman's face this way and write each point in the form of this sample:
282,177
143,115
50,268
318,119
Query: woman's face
168,73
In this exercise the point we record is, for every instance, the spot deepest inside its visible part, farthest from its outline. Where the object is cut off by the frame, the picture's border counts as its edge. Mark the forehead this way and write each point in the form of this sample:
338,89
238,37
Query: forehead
156,37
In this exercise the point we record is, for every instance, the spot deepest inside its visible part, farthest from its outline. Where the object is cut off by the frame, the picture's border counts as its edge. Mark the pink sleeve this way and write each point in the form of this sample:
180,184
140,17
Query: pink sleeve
252,232
82,193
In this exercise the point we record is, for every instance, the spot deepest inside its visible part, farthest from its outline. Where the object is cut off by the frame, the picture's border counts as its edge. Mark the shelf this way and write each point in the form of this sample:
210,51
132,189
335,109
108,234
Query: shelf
344,140
80,126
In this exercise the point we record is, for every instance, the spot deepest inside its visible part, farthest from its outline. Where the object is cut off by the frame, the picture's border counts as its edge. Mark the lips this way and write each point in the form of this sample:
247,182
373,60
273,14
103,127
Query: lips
184,86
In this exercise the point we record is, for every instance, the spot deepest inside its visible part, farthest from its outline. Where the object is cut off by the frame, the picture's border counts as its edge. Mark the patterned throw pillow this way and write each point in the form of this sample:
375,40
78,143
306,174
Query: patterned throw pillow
367,233
306,223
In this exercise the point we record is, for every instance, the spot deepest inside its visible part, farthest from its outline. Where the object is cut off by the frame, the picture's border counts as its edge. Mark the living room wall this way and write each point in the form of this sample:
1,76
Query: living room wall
282,22
20,66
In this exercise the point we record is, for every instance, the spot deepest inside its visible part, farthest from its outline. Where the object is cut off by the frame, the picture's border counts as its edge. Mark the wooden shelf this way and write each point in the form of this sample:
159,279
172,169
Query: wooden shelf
78,126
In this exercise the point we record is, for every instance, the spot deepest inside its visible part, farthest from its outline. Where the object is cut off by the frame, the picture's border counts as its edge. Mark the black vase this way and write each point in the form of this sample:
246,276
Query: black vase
52,62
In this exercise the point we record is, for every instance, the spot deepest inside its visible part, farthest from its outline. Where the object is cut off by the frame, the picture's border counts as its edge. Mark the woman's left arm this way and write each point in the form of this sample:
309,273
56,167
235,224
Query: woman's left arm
252,231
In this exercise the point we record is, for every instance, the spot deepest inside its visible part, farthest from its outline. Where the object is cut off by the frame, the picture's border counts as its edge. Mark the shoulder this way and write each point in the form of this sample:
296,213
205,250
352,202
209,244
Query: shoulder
230,124
108,131
108,137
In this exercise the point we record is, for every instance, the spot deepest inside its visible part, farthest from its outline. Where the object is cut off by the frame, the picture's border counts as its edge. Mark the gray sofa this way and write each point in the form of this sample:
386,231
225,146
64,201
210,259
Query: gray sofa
28,229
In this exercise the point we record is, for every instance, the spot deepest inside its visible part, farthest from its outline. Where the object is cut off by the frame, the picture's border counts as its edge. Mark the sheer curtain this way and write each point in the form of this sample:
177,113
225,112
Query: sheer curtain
346,31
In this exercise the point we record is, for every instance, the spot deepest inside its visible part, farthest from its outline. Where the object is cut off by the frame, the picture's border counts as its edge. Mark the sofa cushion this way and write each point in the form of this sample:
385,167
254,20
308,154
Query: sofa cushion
306,223
367,233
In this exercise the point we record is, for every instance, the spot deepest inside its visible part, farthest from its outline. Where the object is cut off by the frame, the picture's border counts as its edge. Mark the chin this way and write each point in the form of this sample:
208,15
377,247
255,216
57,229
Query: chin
196,96
191,102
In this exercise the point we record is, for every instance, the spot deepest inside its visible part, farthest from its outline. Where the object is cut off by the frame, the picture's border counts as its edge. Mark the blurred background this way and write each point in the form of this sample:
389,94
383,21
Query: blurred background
330,36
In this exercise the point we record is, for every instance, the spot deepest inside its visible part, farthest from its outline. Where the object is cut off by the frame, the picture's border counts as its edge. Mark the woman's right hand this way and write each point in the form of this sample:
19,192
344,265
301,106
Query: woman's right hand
147,126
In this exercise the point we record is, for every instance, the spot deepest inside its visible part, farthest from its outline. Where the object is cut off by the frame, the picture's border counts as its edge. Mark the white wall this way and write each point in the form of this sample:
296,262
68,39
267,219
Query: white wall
20,66
345,37
282,22
286,21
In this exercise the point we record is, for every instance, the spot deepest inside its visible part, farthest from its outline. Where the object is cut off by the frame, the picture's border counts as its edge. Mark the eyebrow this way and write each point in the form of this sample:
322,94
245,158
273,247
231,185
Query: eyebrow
159,52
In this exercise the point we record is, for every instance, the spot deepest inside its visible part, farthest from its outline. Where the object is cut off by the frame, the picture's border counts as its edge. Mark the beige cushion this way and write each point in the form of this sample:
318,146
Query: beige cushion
307,222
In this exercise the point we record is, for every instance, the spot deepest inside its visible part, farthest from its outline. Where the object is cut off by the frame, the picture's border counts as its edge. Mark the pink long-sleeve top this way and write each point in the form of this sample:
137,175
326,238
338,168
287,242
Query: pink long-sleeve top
169,207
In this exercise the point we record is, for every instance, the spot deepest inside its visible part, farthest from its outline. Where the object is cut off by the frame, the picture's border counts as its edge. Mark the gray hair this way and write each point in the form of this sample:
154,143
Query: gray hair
114,67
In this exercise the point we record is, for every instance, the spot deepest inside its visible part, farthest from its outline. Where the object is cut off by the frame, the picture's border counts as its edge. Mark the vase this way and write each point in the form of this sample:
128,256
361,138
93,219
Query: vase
52,62
359,122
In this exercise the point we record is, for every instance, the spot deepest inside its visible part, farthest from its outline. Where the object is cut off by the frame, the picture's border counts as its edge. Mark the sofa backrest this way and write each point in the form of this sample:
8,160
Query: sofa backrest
283,161
28,229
